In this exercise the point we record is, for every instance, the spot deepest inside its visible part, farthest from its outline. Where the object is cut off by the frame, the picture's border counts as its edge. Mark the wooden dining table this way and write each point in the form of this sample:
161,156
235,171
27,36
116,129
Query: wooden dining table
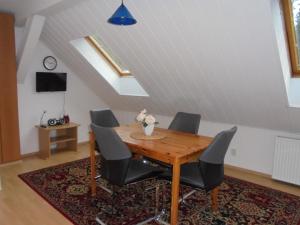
174,148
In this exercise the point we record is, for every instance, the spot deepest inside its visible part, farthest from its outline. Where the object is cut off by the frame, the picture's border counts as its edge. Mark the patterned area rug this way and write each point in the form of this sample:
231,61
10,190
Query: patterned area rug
66,187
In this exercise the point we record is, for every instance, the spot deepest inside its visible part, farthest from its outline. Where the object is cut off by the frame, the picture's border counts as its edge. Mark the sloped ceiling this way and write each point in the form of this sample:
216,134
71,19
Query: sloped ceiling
23,9
216,57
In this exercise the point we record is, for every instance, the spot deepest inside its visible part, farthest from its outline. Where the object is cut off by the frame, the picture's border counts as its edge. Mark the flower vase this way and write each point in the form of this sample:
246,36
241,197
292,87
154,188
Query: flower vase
148,130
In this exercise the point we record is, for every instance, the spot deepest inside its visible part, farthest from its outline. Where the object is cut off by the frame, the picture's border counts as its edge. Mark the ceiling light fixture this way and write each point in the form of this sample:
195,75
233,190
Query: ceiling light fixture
122,16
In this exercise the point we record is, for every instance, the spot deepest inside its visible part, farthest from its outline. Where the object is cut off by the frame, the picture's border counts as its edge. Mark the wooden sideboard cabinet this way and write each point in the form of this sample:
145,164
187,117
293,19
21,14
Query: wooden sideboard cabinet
56,138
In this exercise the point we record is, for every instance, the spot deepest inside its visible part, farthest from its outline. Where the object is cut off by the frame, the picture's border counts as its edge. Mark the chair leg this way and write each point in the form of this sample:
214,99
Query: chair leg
183,197
114,206
159,214
101,186
143,192
112,201
112,210
214,198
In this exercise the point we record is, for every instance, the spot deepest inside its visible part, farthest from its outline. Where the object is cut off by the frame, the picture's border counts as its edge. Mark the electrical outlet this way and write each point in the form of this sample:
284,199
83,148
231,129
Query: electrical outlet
233,152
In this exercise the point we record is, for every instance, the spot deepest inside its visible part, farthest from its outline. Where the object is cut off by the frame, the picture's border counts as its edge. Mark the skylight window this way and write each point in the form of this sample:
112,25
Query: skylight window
99,46
106,65
291,9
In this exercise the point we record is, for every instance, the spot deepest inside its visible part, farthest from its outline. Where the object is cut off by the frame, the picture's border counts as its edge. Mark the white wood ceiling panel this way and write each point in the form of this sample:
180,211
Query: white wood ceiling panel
217,57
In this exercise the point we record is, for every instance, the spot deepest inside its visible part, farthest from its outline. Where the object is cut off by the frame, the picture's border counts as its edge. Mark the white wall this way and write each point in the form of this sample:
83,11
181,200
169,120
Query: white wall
79,100
254,146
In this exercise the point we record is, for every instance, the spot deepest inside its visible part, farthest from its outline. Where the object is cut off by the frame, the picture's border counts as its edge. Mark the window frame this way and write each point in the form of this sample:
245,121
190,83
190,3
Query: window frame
93,42
291,36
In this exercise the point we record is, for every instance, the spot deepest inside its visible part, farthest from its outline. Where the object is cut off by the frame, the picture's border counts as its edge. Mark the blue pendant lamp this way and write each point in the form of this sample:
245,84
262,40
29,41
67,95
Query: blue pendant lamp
122,16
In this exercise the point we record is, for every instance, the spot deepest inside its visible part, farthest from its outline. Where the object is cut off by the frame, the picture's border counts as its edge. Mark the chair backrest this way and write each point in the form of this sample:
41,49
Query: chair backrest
115,154
104,118
185,122
211,162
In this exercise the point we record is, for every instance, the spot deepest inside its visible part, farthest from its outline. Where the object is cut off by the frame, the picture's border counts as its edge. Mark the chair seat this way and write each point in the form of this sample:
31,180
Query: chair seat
189,175
160,163
139,171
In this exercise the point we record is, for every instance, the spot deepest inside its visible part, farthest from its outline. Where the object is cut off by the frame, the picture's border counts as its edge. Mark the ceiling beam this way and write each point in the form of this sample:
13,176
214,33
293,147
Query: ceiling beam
33,30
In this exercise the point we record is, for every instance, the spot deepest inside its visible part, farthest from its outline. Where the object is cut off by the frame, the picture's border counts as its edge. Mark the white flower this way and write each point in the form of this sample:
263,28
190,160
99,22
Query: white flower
145,119
149,119
141,116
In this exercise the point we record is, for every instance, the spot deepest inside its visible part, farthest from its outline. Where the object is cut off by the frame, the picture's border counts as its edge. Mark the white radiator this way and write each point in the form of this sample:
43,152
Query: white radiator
286,165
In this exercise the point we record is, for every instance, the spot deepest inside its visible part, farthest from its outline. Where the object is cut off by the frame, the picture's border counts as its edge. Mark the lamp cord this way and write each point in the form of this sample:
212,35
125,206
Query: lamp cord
64,104
41,120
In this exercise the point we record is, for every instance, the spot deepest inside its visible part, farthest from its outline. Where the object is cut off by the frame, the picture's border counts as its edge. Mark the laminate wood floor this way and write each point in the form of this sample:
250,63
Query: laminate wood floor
20,205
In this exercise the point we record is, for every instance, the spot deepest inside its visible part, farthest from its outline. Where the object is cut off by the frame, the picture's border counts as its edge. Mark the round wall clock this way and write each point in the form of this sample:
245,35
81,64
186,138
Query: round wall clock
50,63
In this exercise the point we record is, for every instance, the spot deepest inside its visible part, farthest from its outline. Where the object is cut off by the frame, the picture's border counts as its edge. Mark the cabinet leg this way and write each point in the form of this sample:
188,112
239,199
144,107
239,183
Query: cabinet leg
44,143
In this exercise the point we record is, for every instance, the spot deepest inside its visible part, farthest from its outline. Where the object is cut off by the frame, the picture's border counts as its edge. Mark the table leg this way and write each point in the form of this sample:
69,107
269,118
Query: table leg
175,192
93,162
214,198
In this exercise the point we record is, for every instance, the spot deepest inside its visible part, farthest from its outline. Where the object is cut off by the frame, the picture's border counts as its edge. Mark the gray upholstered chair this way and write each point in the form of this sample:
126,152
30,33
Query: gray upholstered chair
104,118
185,122
119,168
208,173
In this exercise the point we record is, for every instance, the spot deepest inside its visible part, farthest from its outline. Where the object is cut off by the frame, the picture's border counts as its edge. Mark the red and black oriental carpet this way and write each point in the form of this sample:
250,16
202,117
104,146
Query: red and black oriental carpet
66,187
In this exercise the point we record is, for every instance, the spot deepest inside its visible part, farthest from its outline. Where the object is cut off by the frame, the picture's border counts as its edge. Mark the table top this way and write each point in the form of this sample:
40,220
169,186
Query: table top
176,146
140,135
64,126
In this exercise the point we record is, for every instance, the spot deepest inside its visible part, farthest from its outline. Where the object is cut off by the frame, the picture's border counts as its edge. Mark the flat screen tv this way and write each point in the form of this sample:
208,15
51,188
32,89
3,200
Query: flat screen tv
48,82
